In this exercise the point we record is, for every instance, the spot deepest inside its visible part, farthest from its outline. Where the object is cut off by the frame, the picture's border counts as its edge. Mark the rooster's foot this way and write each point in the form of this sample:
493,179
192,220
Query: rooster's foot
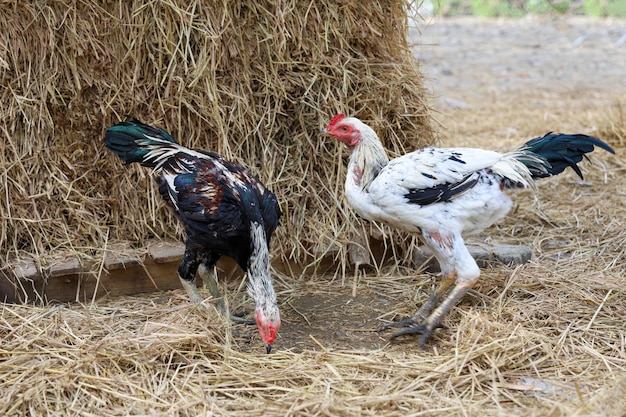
239,318
425,330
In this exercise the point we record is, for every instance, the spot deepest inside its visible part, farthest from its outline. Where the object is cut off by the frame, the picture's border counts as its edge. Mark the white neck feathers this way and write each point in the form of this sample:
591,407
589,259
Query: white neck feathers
367,159
260,285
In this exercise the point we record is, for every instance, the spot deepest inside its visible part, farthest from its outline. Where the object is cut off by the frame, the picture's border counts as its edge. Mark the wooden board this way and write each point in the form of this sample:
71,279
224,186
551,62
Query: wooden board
127,271
123,272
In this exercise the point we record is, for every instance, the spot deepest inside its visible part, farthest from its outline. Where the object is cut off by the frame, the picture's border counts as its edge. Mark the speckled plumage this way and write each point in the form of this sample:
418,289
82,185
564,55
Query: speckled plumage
443,194
224,209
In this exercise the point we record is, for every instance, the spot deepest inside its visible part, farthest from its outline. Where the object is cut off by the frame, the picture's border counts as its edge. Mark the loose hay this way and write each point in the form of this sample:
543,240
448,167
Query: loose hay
543,339
253,81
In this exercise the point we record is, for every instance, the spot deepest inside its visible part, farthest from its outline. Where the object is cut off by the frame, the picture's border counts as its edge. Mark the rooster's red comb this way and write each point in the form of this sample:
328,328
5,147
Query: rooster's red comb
336,119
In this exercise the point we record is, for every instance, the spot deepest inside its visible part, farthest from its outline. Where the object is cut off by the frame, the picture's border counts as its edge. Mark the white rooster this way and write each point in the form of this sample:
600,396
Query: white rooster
442,194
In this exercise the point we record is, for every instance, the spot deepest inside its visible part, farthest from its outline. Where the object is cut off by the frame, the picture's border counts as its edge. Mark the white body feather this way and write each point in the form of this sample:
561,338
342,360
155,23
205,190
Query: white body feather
377,189
384,198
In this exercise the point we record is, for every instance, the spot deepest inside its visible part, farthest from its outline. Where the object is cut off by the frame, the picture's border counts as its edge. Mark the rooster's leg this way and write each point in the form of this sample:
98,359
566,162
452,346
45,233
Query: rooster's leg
459,269
426,328
187,274
210,282
192,290
434,299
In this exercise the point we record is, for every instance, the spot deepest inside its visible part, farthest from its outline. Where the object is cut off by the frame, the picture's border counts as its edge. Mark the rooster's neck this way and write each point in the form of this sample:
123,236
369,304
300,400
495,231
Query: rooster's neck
260,285
367,159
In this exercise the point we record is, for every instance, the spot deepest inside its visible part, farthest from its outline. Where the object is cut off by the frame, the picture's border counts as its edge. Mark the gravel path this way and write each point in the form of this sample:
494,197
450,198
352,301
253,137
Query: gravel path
468,59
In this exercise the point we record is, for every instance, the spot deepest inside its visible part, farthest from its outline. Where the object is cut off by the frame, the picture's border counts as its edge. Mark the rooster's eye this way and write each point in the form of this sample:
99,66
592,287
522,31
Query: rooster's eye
344,129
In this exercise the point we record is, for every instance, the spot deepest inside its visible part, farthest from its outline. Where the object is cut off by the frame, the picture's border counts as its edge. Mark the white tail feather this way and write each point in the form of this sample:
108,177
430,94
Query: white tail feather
512,167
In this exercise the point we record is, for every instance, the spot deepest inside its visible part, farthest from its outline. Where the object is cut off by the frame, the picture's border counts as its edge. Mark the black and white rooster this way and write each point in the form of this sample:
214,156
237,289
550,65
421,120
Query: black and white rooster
225,210
443,194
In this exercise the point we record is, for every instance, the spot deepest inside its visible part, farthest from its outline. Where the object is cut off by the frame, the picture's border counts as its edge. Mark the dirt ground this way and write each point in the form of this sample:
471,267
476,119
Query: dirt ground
498,73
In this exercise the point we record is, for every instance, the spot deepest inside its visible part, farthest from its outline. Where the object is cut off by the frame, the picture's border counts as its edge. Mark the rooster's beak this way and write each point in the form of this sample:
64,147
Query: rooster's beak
324,133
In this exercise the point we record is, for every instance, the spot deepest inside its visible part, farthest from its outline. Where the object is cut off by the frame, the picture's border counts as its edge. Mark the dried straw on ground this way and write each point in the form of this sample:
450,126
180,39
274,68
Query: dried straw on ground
544,338
253,81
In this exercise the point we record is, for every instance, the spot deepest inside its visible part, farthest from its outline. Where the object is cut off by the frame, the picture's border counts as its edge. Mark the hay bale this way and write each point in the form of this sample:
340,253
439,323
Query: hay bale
253,81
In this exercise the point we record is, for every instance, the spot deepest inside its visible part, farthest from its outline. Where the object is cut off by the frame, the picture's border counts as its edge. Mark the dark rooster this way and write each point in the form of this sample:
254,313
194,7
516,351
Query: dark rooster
225,210
443,194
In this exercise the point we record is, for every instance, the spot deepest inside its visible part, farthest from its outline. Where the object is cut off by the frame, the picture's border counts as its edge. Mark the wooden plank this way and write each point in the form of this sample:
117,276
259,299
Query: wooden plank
166,251
21,283
70,266
67,279
127,271
121,258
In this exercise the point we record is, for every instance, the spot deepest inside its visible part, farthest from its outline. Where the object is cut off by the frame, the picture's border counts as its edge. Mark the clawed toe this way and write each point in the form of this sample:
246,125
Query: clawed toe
423,329
412,329
235,318
408,322
240,318
415,329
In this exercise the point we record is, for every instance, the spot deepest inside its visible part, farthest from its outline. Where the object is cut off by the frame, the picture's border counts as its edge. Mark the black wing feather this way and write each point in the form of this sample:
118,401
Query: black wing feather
442,192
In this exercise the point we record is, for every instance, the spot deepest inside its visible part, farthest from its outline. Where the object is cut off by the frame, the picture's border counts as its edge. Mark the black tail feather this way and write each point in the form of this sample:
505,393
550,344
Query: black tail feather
562,151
